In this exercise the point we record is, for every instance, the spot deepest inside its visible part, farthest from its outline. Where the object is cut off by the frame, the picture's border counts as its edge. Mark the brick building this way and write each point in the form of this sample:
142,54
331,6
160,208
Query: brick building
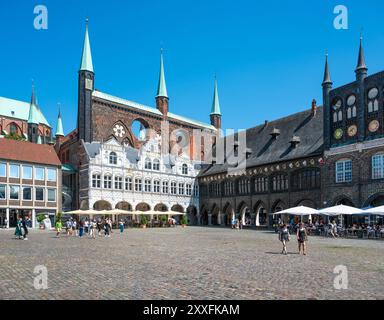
24,120
331,155
102,117
354,139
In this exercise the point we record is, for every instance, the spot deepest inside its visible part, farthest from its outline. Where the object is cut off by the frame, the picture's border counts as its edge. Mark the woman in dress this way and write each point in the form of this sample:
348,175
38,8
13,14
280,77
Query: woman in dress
18,232
284,237
121,225
302,238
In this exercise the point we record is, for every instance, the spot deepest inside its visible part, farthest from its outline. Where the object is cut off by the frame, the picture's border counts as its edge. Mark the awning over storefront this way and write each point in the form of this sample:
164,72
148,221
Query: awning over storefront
68,168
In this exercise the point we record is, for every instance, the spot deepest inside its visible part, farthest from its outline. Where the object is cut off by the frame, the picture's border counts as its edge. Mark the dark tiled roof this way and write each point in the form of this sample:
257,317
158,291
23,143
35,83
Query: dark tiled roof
28,152
267,150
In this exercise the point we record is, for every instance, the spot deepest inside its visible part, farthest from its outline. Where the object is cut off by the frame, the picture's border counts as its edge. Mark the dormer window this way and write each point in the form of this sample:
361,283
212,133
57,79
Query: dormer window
295,141
148,164
156,165
275,133
248,152
185,169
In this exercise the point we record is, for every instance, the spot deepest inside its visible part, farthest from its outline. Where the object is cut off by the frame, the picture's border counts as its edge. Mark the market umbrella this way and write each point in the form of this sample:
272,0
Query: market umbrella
378,211
298,211
341,210
78,212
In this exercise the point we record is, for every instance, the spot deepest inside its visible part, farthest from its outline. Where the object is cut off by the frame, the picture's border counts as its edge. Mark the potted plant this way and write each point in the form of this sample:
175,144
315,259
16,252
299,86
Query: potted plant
164,220
184,221
143,222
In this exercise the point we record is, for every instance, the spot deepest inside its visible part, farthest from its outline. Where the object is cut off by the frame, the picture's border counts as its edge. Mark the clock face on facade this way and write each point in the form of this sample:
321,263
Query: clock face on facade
352,131
374,126
338,134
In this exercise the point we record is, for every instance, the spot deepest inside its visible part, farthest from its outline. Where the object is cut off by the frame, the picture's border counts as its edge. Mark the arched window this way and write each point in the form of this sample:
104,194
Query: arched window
148,164
378,166
351,103
112,158
156,165
185,169
373,102
13,128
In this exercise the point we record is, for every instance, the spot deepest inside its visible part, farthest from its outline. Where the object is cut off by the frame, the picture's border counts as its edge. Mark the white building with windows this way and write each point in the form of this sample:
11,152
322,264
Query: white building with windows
117,176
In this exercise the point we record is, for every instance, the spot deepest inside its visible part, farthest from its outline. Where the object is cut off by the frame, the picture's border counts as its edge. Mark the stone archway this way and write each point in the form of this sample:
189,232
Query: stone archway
192,215
261,218
178,208
102,205
245,214
143,207
215,218
204,217
123,205
228,214
161,207
377,200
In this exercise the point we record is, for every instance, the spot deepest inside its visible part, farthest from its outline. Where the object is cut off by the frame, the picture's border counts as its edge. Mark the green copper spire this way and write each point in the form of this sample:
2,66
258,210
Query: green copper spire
86,60
39,140
216,103
162,87
59,129
33,113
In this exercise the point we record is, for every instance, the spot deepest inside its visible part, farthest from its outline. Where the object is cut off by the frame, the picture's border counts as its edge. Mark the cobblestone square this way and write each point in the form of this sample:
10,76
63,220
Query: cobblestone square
191,263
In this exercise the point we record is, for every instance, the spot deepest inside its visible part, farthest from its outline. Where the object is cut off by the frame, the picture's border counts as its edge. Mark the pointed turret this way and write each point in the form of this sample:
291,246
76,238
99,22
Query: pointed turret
215,111
216,103
327,76
86,59
361,69
327,87
33,113
33,119
86,88
162,99
59,129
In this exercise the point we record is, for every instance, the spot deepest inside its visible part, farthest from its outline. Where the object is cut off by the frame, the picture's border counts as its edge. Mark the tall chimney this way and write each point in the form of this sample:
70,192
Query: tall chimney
314,107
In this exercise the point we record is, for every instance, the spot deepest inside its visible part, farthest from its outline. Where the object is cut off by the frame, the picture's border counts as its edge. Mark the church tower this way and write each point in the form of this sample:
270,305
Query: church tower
162,99
215,111
33,121
86,87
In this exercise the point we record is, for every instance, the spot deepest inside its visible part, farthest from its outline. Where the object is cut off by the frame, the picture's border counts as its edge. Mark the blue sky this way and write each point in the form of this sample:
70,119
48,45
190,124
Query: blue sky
268,55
